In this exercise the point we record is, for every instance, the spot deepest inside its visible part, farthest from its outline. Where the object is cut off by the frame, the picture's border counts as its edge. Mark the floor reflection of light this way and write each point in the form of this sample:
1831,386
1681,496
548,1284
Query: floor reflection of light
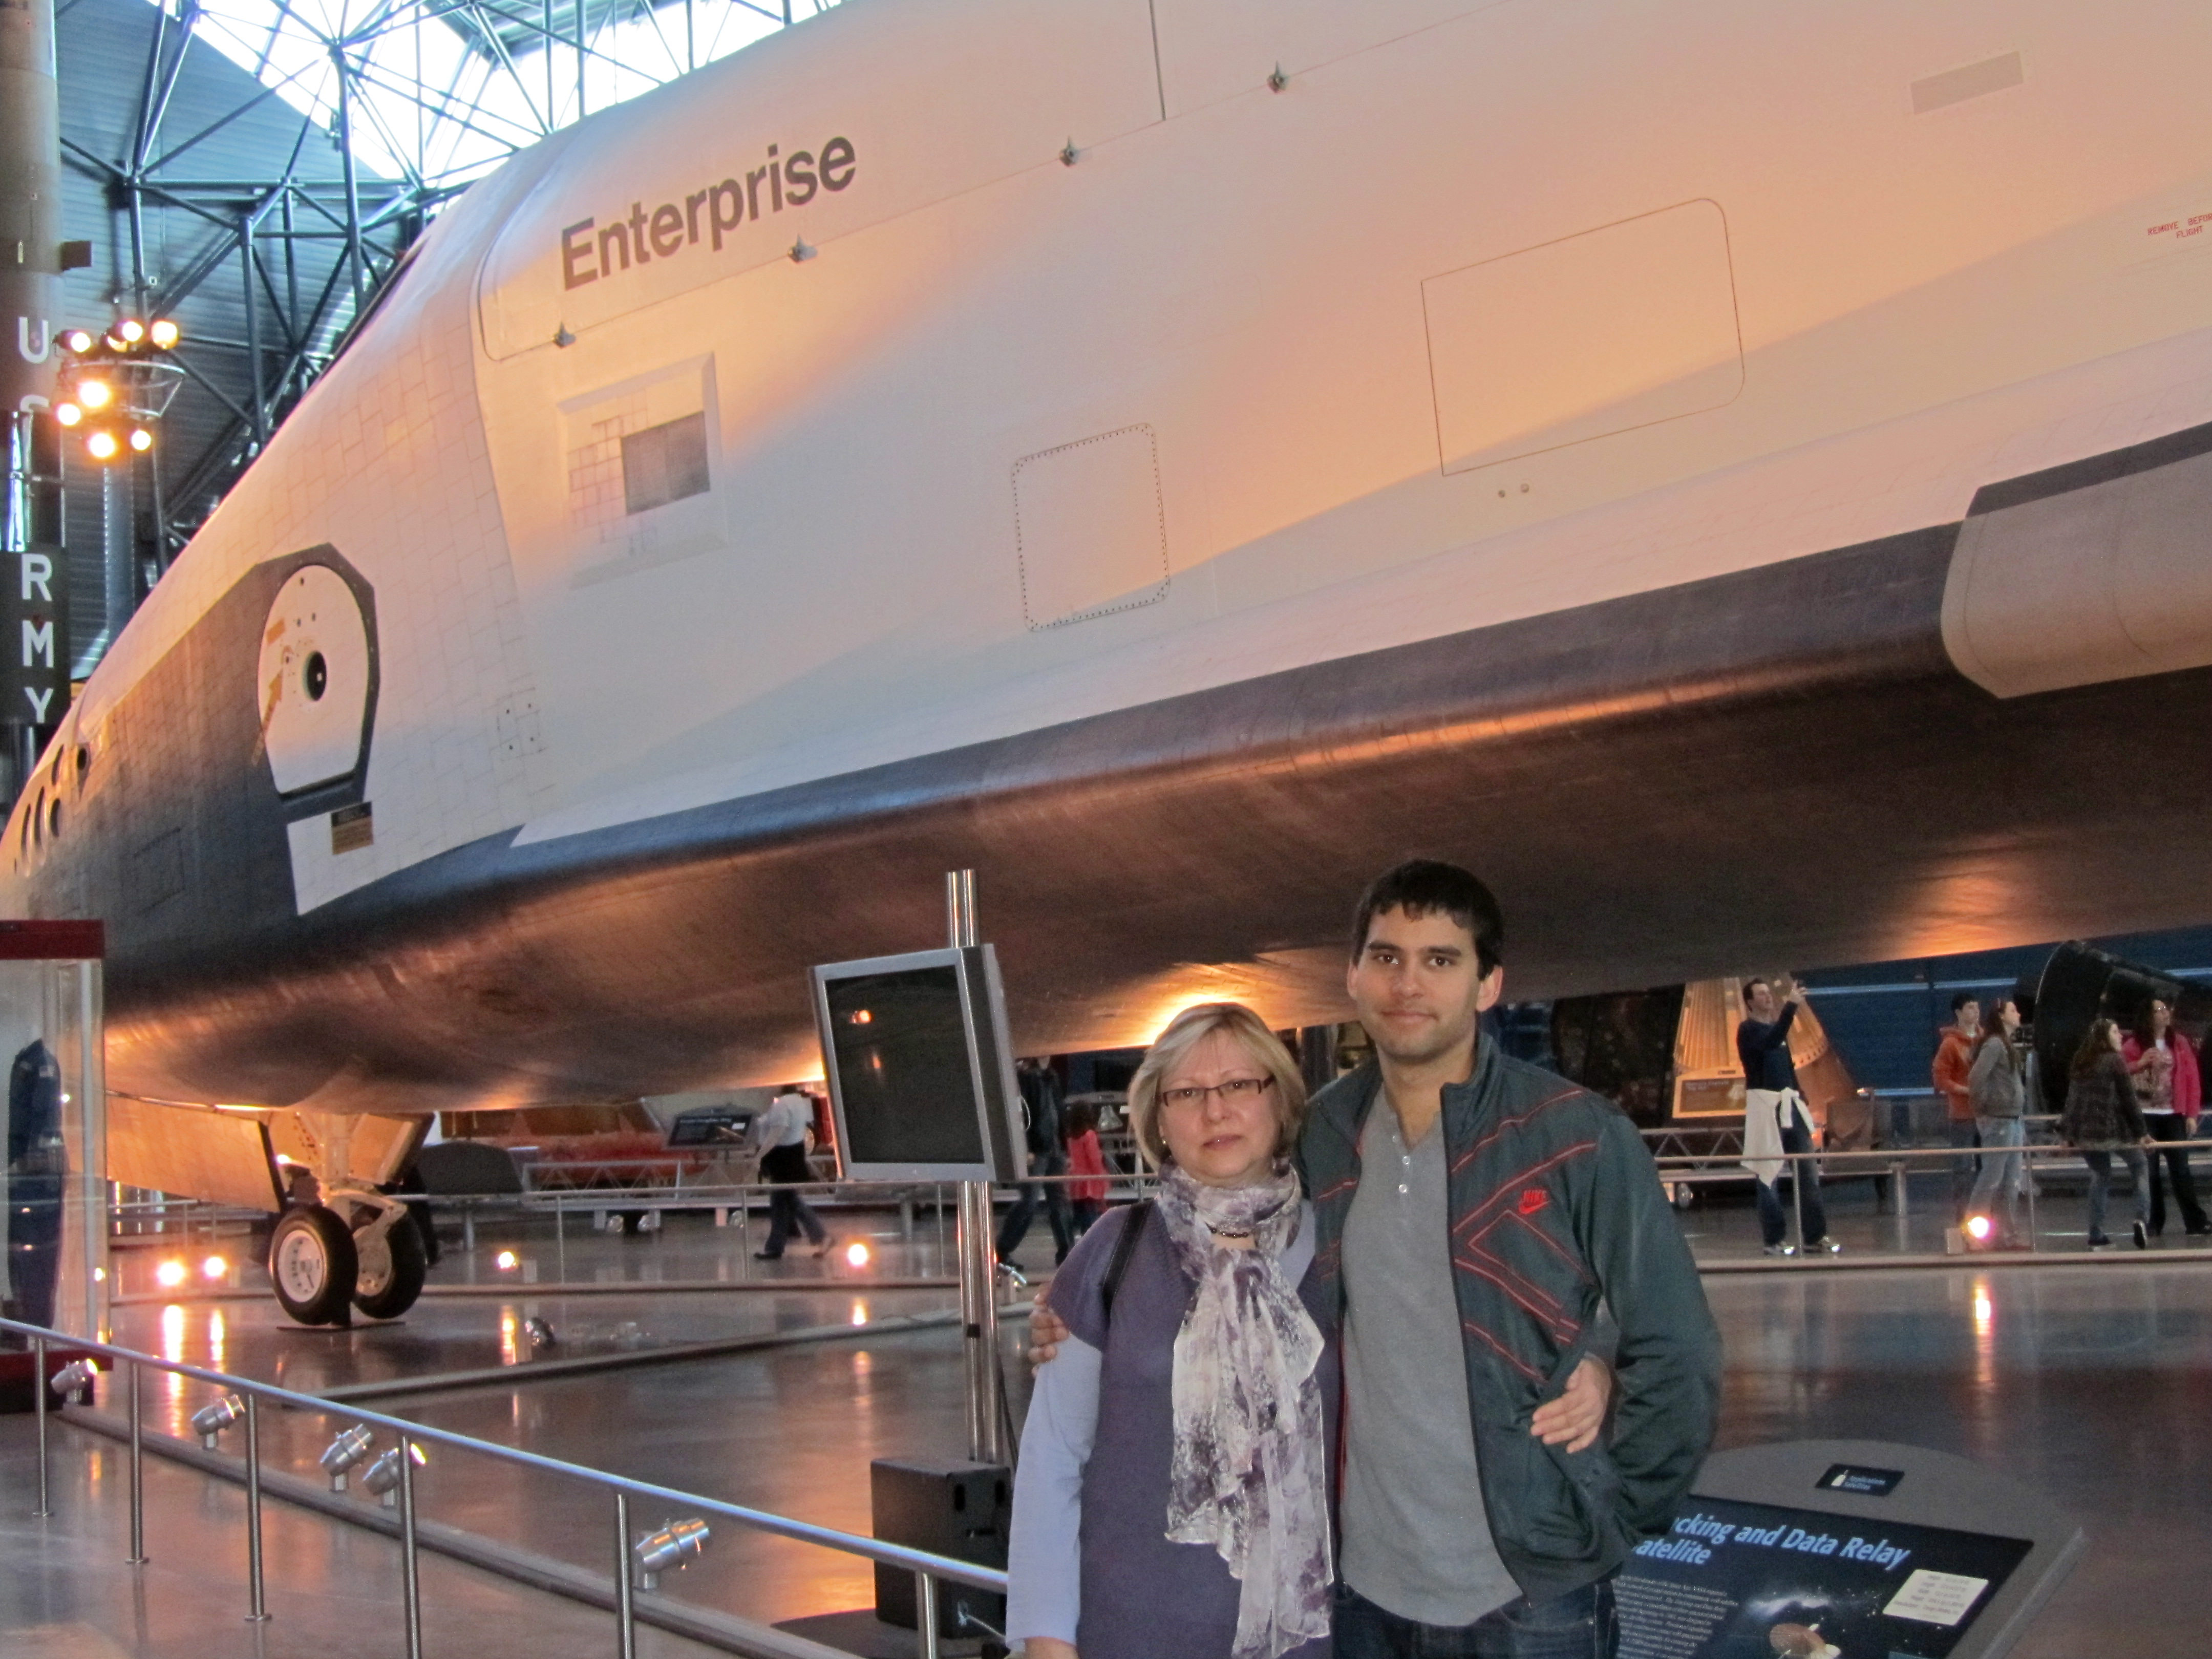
510,1346
173,1348
860,1312
217,1330
1985,1345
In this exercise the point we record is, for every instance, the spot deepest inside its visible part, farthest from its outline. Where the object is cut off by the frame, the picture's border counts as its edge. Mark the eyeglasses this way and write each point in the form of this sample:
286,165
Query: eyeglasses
1237,1091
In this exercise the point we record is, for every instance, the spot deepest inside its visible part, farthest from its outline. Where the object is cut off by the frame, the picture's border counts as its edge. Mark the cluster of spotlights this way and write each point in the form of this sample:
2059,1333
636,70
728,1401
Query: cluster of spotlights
172,1273
91,402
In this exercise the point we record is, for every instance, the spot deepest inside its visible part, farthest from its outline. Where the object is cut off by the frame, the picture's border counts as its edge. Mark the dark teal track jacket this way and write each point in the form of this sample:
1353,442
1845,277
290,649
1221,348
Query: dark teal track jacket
1555,1205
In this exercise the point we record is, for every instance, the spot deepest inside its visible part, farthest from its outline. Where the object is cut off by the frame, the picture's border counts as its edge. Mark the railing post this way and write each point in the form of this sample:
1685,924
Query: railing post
411,1583
2024,1174
258,1609
137,1556
925,1614
39,1406
625,1628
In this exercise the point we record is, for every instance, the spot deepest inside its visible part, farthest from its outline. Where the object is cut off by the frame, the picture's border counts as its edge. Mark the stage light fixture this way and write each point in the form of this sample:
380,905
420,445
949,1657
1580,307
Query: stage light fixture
214,1268
539,1333
141,440
164,333
131,330
95,394
382,1480
169,1274
346,1452
77,341
675,1545
209,1421
1978,1227
507,1262
101,446
75,1378
67,414
857,1254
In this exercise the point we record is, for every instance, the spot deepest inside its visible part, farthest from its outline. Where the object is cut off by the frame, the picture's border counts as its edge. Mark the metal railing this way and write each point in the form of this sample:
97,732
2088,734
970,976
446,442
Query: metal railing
2039,1162
928,1569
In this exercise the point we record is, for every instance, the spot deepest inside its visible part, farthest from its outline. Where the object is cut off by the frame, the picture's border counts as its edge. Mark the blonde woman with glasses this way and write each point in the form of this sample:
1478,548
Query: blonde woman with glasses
1173,1491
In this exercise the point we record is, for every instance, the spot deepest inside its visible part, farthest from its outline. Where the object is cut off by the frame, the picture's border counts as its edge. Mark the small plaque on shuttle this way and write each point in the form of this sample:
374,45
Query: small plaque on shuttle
920,1072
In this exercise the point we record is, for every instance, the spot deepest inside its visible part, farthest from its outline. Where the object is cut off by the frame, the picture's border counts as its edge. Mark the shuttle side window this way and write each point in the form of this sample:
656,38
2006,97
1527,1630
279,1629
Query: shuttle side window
663,464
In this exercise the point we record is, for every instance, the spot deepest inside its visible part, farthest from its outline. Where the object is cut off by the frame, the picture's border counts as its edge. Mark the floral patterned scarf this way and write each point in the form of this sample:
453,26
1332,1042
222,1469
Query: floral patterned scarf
1249,1474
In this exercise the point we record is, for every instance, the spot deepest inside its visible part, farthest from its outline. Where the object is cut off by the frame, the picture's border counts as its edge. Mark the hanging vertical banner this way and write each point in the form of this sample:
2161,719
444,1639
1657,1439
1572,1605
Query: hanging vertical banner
34,665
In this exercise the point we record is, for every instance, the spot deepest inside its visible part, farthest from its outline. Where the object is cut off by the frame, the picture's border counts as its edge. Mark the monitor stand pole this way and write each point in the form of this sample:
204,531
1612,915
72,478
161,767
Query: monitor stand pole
979,1300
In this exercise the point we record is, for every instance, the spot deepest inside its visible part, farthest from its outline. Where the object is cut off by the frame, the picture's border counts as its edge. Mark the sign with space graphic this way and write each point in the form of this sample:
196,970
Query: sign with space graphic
1753,1581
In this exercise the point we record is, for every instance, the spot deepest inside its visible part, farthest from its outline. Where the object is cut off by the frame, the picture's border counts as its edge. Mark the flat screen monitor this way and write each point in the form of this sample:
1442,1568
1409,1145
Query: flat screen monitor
920,1073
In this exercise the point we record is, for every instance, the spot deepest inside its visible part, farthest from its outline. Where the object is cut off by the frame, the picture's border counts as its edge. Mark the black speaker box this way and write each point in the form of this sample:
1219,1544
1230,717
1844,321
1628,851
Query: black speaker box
962,1510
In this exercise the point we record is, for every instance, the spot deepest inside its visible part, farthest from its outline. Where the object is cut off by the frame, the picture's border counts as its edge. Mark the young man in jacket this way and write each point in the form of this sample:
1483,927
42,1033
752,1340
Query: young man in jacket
1474,1211
1471,1214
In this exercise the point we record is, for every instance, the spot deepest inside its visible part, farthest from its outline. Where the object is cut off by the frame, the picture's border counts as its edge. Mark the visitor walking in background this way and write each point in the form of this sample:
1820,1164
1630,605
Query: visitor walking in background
782,1132
2101,1118
1997,1086
1047,1157
1085,1198
2170,1091
1776,1121
1954,1059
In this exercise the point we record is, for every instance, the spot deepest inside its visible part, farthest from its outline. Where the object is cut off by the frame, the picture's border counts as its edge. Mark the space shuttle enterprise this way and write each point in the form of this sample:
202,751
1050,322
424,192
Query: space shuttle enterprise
1738,477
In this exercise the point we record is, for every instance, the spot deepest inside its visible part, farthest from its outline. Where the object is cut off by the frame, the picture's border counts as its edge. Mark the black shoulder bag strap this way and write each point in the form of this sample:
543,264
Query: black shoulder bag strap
1124,1248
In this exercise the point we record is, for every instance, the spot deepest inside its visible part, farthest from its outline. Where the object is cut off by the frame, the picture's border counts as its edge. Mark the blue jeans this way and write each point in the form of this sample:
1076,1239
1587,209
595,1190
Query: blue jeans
1580,1625
2100,1185
1964,1133
1016,1226
1805,1177
2001,1169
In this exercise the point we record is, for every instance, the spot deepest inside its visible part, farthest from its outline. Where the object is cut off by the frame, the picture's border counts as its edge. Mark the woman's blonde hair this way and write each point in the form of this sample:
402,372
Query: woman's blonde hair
1172,1047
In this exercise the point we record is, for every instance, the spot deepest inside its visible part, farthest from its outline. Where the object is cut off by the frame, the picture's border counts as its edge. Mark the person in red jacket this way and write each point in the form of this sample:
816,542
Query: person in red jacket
1085,1197
1954,1059
2169,1087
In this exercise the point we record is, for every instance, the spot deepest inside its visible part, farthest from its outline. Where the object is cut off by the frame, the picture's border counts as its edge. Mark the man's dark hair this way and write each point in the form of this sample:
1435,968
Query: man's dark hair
1753,983
1425,887
1961,999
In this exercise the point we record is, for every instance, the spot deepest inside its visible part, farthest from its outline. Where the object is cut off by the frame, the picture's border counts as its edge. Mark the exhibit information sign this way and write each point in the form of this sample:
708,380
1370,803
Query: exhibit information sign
1752,1581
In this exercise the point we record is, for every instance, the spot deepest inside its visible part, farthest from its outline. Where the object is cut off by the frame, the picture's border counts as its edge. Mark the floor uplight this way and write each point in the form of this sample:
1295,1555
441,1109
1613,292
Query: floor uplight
169,1275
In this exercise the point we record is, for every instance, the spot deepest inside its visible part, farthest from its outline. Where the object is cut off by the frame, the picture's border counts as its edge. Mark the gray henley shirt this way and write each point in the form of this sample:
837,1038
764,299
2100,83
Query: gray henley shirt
1416,1536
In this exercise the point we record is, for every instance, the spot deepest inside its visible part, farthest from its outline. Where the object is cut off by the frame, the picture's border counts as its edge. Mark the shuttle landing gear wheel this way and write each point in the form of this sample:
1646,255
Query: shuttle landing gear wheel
392,1268
313,1265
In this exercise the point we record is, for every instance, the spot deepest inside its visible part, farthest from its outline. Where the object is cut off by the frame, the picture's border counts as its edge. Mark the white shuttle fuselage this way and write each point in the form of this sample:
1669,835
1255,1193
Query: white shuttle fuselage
1175,458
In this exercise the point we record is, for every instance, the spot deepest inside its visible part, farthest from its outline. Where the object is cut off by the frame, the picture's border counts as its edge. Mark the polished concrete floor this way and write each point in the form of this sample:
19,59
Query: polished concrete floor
2086,1380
